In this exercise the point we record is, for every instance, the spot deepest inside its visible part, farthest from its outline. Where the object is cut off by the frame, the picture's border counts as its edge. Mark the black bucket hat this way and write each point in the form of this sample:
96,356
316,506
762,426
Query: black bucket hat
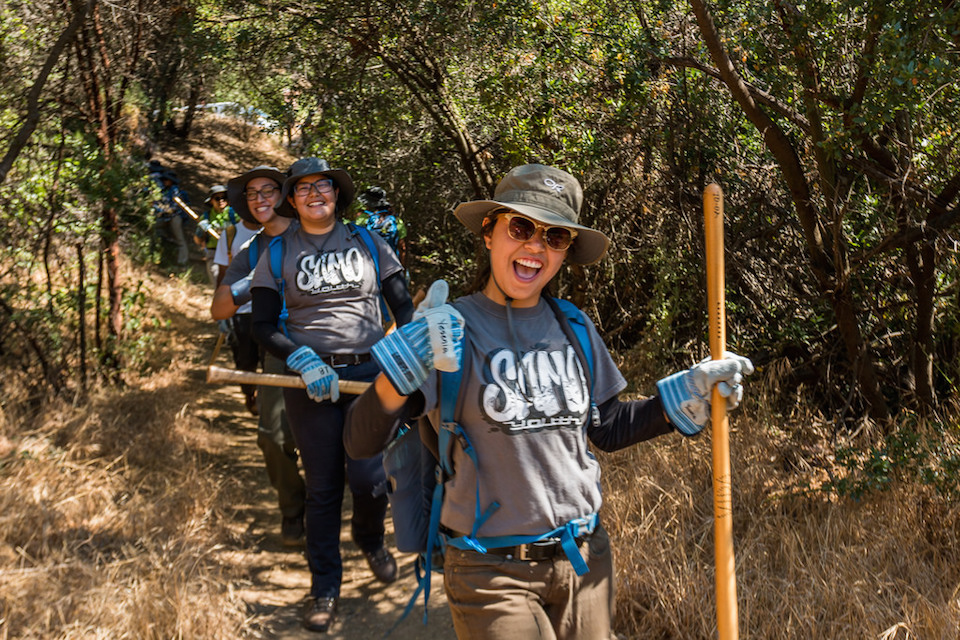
316,166
546,194
214,190
236,187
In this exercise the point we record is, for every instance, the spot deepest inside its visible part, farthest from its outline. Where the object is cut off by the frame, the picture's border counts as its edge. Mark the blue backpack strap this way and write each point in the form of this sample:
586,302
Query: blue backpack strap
276,270
576,322
364,234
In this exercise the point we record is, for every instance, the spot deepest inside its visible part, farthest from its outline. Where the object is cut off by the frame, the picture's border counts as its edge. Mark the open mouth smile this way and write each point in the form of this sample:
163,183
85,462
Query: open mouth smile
527,269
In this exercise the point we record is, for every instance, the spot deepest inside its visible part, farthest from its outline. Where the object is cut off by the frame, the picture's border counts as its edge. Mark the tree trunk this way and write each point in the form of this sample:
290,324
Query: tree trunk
82,319
33,97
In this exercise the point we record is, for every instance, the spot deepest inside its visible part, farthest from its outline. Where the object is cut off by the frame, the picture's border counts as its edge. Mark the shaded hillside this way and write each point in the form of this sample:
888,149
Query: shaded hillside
217,149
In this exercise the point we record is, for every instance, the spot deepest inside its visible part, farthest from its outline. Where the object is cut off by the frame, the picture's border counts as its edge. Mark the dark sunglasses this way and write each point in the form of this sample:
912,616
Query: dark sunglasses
522,229
220,198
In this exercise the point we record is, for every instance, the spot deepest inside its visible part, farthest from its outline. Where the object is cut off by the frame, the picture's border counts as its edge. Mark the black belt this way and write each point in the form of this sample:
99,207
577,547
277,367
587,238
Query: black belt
535,551
337,360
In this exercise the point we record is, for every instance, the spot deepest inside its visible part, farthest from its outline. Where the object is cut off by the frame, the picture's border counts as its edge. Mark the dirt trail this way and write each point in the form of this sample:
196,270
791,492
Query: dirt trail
276,577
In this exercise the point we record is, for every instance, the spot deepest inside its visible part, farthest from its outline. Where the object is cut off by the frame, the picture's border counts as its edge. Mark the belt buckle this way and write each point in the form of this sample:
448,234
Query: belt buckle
337,361
537,551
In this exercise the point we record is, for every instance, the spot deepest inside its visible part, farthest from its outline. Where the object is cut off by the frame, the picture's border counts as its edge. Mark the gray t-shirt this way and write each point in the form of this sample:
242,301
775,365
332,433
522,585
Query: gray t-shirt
526,424
330,286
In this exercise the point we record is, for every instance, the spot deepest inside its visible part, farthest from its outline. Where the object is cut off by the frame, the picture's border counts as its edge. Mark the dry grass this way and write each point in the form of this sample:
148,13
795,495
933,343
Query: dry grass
111,512
808,566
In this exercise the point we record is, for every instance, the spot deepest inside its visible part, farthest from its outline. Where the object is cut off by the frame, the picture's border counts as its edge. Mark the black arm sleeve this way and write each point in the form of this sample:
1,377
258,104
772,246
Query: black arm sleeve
626,423
266,318
398,298
368,429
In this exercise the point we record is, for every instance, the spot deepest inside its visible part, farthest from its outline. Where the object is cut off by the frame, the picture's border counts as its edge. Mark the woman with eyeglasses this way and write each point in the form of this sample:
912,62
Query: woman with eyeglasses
528,407
317,297
254,196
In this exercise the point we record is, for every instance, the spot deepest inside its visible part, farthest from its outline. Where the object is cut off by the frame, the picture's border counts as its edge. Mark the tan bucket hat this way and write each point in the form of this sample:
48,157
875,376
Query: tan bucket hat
546,194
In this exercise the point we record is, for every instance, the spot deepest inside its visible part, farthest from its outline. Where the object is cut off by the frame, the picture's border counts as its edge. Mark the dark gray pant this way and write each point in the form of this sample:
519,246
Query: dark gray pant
318,429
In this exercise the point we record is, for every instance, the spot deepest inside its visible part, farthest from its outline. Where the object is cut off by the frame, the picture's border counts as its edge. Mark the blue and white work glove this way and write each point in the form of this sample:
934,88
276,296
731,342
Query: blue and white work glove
240,290
686,395
322,381
203,227
433,339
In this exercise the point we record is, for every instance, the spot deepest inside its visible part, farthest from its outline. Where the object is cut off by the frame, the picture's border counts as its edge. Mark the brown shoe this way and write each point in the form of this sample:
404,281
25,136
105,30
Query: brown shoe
383,564
318,614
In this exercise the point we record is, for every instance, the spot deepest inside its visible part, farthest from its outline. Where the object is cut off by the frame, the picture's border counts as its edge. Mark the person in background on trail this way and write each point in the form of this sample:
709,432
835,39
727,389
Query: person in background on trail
246,351
216,218
321,314
169,216
377,214
528,408
255,194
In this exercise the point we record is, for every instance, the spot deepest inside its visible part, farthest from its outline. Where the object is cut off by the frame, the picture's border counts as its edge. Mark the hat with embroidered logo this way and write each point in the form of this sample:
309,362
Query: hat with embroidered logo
546,194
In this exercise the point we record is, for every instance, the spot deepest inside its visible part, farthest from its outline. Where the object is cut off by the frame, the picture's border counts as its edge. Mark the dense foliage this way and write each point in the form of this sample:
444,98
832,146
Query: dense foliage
831,127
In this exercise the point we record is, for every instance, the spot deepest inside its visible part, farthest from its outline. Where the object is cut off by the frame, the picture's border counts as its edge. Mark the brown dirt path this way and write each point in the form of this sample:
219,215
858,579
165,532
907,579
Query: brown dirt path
275,578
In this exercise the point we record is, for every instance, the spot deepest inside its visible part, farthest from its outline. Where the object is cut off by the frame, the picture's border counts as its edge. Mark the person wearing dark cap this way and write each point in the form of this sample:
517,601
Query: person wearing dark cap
317,306
254,195
526,555
215,219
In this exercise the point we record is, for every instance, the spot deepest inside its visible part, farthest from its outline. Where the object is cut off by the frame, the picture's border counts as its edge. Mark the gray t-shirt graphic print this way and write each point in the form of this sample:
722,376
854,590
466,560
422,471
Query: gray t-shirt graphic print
330,286
526,424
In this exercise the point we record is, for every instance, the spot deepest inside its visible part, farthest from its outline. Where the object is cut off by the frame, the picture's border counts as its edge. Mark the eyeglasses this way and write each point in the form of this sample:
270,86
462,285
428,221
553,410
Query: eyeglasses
266,193
220,198
320,186
522,229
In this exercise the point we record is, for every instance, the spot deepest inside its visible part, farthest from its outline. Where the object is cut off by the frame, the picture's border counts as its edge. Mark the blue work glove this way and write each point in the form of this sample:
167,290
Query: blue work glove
225,327
432,340
686,395
321,380
240,290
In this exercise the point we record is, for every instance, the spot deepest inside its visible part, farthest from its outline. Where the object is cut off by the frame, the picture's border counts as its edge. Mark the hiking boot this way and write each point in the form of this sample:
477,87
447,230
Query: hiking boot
291,531
318,614
383,564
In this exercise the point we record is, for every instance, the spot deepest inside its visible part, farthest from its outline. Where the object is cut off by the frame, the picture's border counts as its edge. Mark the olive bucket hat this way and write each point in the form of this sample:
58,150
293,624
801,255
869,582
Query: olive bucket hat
236,187
546,194
316,166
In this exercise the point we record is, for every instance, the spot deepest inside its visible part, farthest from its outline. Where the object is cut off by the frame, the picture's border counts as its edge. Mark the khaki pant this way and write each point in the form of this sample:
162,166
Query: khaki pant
493,598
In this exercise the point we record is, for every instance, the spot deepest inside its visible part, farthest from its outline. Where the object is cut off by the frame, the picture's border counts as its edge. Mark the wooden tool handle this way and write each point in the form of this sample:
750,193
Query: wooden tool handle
726,577
221,375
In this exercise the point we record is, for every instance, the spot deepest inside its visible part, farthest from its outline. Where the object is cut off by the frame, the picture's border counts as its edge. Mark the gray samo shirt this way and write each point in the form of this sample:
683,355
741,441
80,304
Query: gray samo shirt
527,423
330,286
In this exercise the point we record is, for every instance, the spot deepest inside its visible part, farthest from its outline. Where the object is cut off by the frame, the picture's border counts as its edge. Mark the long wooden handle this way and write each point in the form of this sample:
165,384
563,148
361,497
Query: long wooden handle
222,375
726,576
193,214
